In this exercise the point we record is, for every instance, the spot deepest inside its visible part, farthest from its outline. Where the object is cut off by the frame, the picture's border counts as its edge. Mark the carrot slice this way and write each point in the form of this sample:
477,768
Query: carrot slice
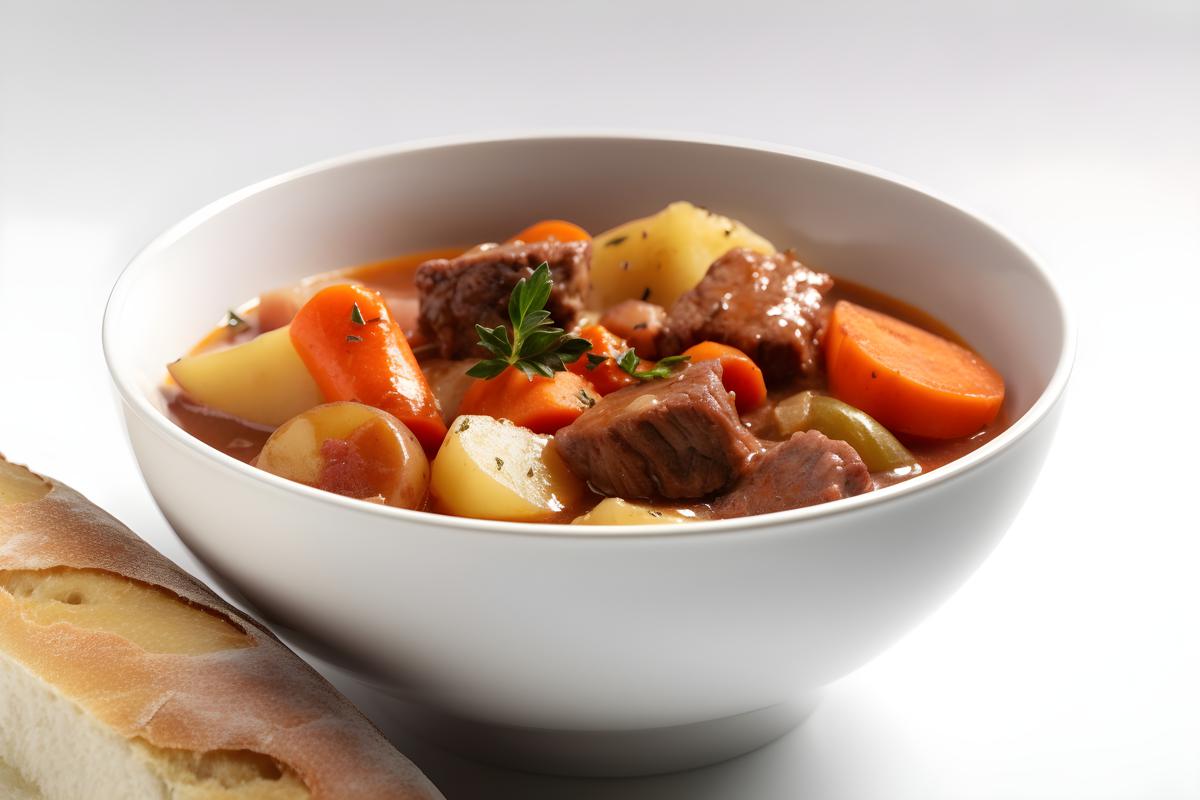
606,377
908,379
558,229
355,351
543,405
740,374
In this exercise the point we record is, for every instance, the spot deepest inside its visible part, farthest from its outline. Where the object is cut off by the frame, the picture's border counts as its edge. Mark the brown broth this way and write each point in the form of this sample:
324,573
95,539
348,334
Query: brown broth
394,278
233,437
844,289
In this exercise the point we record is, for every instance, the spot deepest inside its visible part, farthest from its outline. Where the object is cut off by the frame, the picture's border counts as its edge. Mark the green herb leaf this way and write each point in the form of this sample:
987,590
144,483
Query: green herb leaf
572,348
529,296
356,315
353,338
234,321
595,360
535,368
629,362
499,462
488,369
495,339
536,347
616,240
542,341
585,398
673,361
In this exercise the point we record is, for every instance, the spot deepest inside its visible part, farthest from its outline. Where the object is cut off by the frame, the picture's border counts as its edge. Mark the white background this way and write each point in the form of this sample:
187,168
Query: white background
1069,665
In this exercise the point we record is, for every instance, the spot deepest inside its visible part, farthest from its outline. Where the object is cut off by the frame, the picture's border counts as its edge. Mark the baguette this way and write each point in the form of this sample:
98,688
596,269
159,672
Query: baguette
123,677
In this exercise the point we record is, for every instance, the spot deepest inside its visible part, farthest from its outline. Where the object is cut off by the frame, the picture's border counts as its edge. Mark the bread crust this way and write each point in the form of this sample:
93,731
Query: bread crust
260,698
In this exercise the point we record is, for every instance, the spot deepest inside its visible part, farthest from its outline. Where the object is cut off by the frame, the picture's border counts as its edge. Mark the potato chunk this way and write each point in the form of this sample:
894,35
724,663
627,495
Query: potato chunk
660,257
261,381
615,511
350,449
492,469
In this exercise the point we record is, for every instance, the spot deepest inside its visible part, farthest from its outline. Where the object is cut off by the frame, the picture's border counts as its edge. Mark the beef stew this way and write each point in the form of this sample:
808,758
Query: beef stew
530,380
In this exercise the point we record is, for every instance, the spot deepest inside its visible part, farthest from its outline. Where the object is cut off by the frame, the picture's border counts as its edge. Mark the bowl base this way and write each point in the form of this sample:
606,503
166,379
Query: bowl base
609,754
573,753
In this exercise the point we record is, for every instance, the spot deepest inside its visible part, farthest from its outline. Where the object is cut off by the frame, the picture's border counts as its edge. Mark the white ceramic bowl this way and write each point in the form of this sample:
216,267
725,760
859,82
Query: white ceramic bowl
594,649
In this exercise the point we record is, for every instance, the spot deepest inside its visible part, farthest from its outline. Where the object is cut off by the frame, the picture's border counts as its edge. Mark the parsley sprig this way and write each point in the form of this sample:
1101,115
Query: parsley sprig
629,362
537,346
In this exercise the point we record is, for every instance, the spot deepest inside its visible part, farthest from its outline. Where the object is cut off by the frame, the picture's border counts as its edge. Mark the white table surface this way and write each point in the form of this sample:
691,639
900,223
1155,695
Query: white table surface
1069,665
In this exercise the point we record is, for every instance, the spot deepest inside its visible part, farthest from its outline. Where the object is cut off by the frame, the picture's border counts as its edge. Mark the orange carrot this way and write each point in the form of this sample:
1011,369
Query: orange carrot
558,229
908,379
543,405
606,377
740,374
355,351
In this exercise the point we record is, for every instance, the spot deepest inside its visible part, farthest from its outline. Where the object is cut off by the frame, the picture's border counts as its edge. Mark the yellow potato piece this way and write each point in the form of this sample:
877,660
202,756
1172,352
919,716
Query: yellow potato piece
294,449
615,511
660,257
492,469
261,381
401,479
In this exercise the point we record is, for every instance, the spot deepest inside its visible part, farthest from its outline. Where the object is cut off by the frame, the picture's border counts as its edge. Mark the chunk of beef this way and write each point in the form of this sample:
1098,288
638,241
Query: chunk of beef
457,293
676,437
805,470
769,307
637,322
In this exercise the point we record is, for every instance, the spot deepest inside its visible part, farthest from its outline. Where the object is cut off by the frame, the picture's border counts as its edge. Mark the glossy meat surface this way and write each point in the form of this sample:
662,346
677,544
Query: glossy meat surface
769,307
679,437
805,470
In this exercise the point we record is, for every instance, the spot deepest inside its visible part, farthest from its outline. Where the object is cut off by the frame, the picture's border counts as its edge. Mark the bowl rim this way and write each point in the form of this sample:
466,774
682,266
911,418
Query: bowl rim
790,519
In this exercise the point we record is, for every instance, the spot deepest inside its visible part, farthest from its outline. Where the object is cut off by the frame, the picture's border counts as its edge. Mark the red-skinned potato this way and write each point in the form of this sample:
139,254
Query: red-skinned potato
350,449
